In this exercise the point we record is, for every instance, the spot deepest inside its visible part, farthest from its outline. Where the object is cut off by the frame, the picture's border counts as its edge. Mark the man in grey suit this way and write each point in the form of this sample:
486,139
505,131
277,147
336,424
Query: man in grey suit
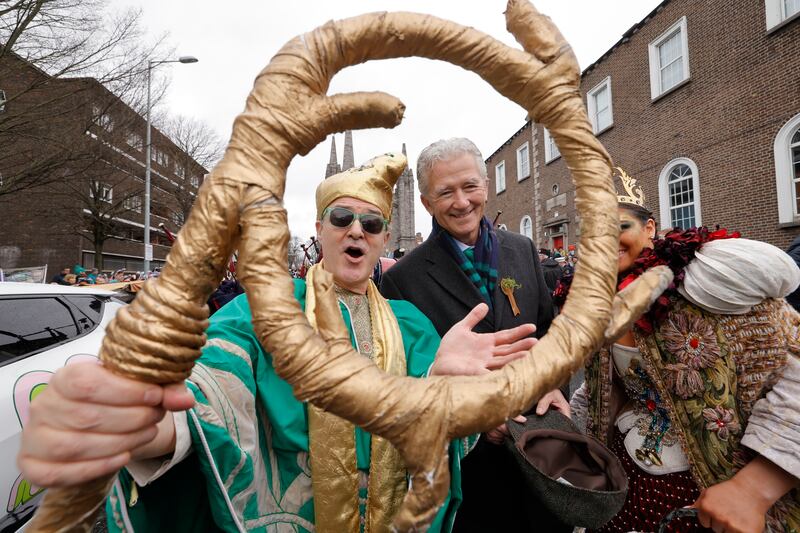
464,262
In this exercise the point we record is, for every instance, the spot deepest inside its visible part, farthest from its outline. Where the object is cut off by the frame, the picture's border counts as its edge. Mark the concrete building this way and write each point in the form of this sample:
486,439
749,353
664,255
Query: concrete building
699,101
85,146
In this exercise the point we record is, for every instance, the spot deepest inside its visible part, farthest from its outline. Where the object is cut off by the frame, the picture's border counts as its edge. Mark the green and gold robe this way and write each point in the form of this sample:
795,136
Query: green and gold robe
250,467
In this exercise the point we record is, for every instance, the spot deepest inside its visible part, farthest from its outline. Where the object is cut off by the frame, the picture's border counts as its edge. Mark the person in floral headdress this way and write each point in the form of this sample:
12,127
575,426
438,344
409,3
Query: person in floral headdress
701,398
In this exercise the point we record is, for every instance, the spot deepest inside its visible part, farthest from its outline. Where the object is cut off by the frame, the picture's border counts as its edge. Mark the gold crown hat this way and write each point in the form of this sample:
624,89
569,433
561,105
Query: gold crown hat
372,182
635,194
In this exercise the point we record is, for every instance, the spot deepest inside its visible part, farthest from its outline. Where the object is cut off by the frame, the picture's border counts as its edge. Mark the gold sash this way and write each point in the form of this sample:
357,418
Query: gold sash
332,445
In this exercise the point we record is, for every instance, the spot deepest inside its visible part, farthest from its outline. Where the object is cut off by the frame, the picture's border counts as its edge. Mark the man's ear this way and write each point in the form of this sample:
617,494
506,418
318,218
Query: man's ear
426,204
318,226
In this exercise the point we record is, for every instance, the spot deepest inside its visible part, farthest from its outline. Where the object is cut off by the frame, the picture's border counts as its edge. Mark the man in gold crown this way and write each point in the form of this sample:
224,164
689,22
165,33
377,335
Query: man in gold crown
700,400
237,451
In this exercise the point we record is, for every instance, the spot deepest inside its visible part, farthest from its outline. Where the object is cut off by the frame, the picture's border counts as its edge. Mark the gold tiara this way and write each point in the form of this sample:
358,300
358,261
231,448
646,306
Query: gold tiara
635,194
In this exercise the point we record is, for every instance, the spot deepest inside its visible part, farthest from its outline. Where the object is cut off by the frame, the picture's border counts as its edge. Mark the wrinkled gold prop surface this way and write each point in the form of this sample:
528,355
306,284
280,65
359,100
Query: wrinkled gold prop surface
158,337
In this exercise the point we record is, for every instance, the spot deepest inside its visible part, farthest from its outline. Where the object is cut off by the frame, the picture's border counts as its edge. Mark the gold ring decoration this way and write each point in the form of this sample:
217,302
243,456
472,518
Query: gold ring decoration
239,206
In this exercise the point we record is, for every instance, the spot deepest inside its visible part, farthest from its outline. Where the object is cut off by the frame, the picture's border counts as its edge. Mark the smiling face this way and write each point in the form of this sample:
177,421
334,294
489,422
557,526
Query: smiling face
456,197
634,236
351,253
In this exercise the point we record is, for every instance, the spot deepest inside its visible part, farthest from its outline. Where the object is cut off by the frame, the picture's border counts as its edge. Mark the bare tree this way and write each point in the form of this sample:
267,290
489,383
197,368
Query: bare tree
48,109
98,204
199,149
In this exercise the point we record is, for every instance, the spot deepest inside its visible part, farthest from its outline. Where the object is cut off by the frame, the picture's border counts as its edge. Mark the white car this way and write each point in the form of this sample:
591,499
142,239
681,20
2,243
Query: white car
42,328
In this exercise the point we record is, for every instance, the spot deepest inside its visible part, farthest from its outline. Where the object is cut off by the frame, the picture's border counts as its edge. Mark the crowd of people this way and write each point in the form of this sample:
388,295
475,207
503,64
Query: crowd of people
78,275
699,400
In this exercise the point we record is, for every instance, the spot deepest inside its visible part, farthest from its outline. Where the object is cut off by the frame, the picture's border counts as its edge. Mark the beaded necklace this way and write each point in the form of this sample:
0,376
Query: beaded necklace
641,390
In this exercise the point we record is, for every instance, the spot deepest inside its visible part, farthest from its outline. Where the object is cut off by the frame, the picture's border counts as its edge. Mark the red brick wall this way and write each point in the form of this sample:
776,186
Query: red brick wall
517,199
42,225
743,88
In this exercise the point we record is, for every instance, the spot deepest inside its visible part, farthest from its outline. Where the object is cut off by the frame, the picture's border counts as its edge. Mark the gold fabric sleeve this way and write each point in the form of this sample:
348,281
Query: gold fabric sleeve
387,471
332,451
239,206
332,447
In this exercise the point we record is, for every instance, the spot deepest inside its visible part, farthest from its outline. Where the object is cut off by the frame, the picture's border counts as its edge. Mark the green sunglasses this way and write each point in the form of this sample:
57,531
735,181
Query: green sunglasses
341,217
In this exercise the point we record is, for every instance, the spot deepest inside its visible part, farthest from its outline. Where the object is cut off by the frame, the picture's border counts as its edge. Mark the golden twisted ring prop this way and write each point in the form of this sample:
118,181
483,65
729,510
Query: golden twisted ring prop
159,336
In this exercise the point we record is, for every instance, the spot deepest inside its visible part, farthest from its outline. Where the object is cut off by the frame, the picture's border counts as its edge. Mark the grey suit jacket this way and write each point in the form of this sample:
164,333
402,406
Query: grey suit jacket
430,279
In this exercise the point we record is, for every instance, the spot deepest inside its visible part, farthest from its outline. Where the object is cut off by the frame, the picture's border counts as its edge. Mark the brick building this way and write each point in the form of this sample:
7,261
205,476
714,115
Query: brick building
84,149
700,102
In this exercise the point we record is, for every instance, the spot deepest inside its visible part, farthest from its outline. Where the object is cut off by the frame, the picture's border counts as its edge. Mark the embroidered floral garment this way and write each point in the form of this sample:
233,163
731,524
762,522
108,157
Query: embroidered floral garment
747,364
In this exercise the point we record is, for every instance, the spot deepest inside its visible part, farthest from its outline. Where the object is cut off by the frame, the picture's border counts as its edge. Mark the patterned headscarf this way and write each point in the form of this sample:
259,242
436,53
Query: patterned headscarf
478,263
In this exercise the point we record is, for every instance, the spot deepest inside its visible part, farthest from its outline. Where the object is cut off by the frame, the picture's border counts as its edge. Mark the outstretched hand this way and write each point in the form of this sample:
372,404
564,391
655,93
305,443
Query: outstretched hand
463,352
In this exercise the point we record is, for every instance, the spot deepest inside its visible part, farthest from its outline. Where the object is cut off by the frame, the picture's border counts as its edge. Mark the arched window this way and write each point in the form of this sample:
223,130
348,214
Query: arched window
526,227
787,171
679,194
794,153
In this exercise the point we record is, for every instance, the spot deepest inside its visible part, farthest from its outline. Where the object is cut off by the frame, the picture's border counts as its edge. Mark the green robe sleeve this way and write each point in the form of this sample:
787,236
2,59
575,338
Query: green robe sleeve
250,438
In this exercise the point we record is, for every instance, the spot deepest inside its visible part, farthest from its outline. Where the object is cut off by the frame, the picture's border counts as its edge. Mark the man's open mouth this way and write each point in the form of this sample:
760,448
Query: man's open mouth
354,252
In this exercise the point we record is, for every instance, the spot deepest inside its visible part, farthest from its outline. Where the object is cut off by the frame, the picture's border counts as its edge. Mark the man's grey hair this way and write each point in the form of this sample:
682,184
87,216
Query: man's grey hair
445,150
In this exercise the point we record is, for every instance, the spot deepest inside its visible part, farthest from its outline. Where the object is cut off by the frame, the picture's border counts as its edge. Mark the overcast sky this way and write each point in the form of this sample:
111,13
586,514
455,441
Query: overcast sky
235,40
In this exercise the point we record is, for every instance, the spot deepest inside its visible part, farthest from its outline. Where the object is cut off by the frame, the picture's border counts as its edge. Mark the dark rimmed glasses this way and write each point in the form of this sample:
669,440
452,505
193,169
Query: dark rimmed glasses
341,217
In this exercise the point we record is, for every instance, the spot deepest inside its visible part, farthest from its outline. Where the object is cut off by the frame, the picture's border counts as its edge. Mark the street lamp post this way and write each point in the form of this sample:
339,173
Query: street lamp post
148,249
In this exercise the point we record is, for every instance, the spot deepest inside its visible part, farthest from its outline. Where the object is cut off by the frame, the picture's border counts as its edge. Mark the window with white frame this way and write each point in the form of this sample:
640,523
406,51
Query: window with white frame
780,11
195,181
2,100
550,148
101,191
669,59
523,162
526,227
500,177
599,105
162,158
794,153
180,171
787,171
102,119
679,194
133,203
134,140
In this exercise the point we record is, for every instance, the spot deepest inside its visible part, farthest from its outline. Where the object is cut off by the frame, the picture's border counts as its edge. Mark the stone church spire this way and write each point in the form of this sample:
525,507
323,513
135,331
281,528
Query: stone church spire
402,226
333,164
348,161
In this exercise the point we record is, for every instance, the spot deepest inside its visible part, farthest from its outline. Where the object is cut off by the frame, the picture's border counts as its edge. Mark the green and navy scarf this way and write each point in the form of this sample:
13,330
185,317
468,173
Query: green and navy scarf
478,263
